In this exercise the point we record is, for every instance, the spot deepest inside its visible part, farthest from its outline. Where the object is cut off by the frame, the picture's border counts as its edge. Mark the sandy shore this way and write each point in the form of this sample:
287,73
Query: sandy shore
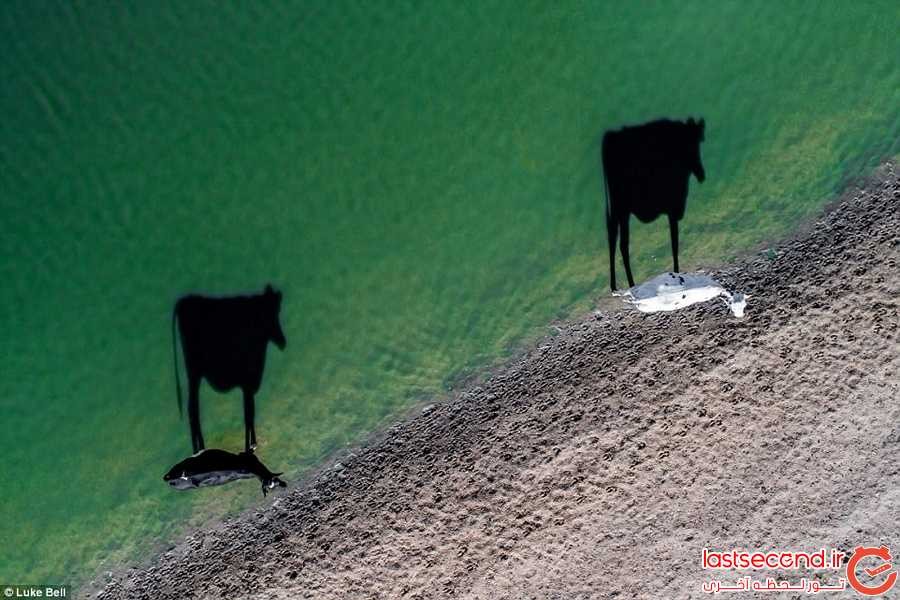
601,462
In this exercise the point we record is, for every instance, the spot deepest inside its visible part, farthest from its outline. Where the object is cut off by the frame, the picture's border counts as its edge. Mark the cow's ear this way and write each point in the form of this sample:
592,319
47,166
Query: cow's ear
691,121
269,289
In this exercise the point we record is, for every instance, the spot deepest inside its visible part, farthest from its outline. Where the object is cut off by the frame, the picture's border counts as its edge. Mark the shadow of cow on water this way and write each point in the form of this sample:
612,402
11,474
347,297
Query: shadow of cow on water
224,340
646,172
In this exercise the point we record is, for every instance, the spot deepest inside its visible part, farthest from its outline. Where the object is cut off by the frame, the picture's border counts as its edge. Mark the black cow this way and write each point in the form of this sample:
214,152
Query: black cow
646,170
224,340
216,467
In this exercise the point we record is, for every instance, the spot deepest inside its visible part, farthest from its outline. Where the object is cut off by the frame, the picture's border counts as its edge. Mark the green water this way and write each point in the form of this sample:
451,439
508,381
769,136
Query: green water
420,179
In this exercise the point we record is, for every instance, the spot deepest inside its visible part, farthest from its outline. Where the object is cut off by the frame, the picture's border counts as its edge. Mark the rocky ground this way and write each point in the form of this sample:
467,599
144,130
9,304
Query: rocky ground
601,463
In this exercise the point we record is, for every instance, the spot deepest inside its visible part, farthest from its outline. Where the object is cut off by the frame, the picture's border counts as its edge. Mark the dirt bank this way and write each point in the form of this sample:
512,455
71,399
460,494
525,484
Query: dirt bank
602,462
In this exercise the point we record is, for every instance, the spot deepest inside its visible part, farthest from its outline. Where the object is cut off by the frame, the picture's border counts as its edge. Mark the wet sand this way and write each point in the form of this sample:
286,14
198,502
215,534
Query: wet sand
600,462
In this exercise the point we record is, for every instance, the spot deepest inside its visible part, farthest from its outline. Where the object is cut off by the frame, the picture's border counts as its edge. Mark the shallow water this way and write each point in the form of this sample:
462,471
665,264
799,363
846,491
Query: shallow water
420,181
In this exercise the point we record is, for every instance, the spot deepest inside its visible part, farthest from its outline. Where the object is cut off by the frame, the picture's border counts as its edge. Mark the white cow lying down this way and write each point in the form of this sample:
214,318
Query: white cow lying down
671,291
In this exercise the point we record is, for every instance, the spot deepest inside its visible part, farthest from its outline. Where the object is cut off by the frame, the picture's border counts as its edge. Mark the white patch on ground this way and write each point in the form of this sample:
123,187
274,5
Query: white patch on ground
672,291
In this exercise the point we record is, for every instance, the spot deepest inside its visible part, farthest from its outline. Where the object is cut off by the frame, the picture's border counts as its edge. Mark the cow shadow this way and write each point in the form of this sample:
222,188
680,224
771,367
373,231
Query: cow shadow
224,341
646,173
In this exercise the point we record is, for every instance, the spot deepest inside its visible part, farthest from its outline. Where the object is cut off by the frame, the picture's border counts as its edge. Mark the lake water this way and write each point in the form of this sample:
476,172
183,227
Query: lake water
420,179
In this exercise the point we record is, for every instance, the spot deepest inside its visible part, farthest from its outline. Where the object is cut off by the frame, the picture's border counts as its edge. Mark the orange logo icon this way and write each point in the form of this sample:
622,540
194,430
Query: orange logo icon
860,553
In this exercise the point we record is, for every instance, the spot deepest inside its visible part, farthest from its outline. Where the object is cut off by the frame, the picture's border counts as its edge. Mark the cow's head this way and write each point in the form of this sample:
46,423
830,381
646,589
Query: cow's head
271,483
268,479
272,321
694,138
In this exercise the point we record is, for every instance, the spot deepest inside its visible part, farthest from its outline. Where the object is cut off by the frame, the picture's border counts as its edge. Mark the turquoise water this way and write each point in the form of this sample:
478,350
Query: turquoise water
420,179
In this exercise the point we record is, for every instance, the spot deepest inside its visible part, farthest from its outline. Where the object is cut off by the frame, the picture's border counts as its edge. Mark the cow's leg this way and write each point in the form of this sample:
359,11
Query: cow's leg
194,412
611,231
623,246
249,428
673,231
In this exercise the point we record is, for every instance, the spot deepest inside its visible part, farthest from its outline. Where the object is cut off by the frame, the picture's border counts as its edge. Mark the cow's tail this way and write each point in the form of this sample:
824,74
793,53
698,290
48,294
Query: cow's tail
175,356
604,159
